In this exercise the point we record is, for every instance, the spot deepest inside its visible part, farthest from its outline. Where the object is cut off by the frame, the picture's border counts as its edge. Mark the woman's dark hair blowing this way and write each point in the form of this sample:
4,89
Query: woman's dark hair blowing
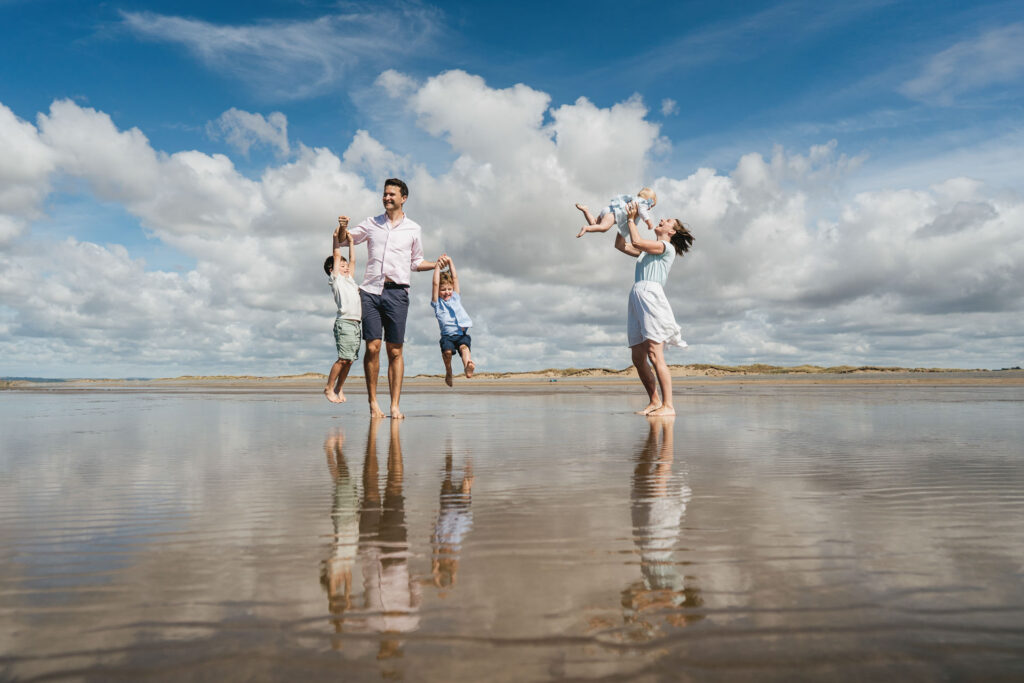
681,239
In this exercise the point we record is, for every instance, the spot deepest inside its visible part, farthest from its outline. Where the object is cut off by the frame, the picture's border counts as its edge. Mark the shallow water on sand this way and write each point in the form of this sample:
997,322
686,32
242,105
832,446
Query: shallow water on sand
767,533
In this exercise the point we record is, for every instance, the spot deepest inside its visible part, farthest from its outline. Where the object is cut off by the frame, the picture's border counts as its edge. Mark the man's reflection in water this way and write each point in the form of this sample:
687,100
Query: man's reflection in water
454,520
336,570
392,598
376,527
658,507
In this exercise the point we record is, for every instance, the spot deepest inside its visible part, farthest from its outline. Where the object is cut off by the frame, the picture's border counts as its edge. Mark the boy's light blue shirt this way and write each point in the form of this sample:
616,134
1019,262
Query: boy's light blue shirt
451,316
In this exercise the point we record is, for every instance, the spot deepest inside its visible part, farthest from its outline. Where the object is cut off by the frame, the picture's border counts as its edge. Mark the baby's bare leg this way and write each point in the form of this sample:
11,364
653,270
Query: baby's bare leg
603,225
467,362
447,356
586,213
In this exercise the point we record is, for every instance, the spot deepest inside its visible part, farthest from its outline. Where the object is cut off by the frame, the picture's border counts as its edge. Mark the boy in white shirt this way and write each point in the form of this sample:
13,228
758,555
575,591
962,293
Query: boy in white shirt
347,324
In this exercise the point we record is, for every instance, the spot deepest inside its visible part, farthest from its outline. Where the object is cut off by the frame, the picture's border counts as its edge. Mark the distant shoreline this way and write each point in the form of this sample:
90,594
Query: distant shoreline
810,374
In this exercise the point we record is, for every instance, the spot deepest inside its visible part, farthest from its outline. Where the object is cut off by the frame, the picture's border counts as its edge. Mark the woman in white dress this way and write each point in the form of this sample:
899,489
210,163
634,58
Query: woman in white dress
650,323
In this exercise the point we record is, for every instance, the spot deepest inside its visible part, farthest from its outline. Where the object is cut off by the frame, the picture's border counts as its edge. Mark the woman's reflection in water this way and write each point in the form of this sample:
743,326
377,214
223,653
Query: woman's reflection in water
454,520
658,506
391,598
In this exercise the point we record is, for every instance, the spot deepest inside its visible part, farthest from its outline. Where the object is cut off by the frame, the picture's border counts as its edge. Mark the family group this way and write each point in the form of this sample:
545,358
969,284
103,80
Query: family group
376,310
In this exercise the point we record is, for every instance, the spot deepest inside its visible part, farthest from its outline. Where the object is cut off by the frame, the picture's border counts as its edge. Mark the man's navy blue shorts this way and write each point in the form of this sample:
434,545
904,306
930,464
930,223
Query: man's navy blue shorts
384,314
452,342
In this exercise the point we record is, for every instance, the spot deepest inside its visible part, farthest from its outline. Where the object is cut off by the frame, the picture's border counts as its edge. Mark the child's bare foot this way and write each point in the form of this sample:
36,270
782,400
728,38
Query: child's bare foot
470,367
341,396
587,215
448,376
662,412
582,232
651,407
331,396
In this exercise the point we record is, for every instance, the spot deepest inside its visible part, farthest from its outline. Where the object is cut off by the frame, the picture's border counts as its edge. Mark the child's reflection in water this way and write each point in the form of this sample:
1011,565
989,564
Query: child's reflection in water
336,570
391,598
454,520
658,507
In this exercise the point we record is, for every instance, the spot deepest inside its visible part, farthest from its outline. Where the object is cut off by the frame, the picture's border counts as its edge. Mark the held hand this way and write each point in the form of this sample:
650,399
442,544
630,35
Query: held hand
632,210
342,222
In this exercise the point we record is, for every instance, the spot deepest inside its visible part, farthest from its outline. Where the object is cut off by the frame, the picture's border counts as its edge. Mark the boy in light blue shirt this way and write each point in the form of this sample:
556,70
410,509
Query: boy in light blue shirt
452,318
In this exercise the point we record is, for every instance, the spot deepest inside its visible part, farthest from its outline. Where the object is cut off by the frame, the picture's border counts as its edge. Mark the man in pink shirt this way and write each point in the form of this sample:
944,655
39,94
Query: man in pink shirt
393,251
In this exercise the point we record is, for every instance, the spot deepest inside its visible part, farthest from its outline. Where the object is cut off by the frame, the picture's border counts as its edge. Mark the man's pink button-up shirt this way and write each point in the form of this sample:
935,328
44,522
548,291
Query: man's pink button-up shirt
392,251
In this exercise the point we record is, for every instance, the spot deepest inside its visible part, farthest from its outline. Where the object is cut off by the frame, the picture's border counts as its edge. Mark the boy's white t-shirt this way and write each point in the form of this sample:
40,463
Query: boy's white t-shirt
346,295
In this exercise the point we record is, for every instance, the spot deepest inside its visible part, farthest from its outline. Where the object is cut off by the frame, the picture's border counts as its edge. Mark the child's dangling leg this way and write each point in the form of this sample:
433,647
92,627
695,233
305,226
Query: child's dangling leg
467,362
447,356
606,222
331,390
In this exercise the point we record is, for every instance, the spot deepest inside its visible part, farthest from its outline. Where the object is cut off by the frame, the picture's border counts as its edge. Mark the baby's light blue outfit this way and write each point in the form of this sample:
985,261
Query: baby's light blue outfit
619,207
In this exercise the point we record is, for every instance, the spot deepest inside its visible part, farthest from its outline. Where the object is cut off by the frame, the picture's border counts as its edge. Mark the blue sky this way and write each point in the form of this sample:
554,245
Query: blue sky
851,173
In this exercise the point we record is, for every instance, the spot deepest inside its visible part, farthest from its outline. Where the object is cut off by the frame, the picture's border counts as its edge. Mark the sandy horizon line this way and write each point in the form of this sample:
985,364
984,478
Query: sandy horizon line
689,370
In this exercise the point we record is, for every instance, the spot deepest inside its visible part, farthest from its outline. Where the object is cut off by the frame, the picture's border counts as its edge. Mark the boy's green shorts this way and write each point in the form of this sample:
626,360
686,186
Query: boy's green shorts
347,337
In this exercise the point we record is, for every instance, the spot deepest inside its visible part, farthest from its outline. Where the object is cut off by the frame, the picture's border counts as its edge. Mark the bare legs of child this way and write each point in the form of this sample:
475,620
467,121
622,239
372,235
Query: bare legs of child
606,222
467,362
335,380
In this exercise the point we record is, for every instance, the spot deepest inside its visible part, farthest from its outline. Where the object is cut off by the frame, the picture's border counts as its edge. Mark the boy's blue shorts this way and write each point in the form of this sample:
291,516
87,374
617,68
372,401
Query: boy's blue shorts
452,342
384,314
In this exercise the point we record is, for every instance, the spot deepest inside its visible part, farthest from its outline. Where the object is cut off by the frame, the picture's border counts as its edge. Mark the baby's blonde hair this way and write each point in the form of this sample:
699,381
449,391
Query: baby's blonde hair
648,193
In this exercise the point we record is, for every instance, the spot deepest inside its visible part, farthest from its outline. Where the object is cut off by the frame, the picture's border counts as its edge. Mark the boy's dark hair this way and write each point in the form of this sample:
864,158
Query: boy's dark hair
329,263
681,239
400,184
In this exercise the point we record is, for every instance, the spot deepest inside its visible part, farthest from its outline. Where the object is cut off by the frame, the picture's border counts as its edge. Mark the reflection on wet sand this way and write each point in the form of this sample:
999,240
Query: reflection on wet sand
391,597
454,520
336,570
659,500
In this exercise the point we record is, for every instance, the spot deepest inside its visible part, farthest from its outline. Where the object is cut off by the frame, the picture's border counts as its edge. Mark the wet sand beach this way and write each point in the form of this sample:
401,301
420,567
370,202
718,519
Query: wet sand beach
779,528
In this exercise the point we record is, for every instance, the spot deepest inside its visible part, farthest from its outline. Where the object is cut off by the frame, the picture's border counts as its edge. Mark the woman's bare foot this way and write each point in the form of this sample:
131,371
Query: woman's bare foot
470,368
331,396
662,412
396,414
651,407
448,376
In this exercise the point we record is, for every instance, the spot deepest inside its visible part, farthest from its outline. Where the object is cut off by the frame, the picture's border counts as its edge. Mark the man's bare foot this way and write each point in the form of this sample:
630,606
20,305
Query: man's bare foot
331,396
396,414
470,368
448,376
662,412
375,411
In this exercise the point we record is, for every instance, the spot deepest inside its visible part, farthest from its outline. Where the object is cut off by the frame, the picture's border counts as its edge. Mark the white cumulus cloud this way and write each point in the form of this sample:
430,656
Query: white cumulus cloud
243,130
787,267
